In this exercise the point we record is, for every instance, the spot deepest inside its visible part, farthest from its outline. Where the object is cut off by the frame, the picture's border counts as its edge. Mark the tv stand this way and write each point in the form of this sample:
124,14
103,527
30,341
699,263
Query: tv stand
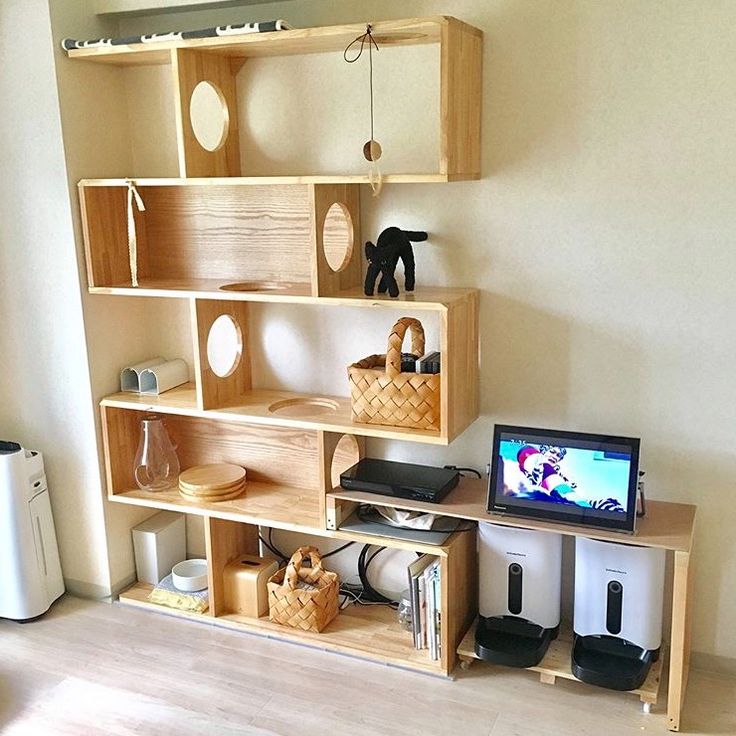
666,525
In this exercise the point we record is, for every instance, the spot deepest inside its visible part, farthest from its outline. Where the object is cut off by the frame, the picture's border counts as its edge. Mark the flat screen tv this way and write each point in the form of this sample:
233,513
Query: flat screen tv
570,477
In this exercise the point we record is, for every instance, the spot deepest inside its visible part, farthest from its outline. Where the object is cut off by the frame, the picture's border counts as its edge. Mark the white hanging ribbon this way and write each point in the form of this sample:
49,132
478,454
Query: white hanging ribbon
133,195
375,179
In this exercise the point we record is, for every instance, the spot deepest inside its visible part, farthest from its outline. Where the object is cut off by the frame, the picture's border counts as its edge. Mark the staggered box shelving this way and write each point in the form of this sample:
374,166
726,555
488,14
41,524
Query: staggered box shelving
223,240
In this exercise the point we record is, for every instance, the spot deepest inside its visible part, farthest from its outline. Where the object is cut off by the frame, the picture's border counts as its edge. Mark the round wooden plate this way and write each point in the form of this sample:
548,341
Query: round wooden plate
210,489
229,496
213,477
209,493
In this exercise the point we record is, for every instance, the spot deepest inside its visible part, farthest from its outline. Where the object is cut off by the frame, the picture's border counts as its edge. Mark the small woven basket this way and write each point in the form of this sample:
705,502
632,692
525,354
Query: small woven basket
301,597
381,394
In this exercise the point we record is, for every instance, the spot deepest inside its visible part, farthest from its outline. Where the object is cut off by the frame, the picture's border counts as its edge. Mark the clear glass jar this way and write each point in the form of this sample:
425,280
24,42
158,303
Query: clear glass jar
404,611
156,466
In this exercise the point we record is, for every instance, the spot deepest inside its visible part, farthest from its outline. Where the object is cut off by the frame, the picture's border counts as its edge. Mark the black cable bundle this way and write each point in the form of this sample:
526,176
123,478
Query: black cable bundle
370,594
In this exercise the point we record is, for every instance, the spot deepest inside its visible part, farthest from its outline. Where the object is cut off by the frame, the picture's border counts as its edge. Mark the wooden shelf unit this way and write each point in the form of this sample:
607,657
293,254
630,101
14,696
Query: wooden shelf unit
669,526
252,238
370,632
233,397
216,227
218,61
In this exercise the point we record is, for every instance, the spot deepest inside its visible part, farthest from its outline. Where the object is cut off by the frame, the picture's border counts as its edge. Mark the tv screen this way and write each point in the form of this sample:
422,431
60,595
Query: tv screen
586,479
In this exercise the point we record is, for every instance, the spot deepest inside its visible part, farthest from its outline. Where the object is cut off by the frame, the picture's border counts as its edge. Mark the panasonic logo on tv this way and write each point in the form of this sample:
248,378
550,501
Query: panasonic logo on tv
620,572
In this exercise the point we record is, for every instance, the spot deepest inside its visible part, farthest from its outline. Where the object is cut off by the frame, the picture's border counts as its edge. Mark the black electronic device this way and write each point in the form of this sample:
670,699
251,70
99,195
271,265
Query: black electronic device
571,477
403,480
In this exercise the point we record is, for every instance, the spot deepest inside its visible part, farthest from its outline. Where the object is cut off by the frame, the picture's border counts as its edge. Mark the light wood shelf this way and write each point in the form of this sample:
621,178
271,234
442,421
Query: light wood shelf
218,60
370,632
556,663
409,32
215,181
667,525
424,298
275,237
252,408
280,507
277,507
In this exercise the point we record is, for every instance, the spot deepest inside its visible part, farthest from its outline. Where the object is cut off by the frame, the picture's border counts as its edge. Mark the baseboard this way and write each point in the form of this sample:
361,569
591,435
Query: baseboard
81,589
713,663
123,584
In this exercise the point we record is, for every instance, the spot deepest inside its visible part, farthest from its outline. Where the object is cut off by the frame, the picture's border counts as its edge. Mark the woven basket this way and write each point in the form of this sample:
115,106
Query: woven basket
382,394
306,608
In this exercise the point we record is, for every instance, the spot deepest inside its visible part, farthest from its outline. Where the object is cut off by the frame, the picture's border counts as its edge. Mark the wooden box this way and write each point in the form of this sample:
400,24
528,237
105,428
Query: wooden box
244,584
296,239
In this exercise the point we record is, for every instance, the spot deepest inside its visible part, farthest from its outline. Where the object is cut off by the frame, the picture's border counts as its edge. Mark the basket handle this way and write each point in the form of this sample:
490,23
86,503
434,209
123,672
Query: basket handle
291,578
396,340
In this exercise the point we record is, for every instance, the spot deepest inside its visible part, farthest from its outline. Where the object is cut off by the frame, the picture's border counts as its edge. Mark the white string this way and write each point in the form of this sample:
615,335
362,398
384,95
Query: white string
132,238
375,179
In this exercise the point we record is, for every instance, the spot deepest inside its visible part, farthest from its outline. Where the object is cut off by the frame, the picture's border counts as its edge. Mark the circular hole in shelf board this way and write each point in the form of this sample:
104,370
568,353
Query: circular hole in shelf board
224,346
303,407
346,454
209,116
256,286
338,237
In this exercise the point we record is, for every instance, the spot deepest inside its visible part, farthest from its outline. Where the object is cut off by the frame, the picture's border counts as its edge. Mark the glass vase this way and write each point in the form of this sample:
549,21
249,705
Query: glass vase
156,466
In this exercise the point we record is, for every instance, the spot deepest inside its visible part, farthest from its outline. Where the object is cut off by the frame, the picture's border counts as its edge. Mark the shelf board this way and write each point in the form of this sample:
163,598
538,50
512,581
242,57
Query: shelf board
253,408
424,298
409,32
280,507
666,525
370,632
272,506
421,178
556,663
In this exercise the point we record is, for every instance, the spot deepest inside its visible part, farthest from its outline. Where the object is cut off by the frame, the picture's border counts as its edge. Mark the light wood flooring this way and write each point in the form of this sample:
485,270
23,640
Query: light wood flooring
92,668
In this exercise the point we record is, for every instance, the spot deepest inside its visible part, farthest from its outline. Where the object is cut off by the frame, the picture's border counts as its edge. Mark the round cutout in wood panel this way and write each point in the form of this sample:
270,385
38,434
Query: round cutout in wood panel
304,407
209,115
224,346
347,453
338,237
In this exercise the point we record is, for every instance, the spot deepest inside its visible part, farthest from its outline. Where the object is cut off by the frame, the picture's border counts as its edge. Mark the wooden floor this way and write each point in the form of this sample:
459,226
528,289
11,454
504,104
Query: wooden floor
92,668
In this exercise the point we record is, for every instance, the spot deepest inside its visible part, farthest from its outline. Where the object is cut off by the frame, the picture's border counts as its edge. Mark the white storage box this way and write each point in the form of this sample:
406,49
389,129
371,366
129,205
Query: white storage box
159,543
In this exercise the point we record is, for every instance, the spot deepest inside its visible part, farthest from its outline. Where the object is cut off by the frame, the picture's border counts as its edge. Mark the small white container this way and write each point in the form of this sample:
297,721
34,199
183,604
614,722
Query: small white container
190,576
159,543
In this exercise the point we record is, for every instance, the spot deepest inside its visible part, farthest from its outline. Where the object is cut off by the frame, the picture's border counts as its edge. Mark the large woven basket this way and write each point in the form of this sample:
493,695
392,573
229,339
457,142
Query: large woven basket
381,394
305,598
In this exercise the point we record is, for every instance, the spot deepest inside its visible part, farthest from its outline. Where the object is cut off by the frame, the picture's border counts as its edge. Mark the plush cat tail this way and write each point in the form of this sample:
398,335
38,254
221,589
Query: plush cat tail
416,237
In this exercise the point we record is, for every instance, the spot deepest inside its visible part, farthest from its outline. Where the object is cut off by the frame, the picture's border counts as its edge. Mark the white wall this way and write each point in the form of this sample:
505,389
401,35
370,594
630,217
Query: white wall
45,399
600,236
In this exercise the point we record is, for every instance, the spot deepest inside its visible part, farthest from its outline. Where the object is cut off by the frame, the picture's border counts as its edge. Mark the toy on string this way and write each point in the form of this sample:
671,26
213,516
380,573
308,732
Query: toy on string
372,148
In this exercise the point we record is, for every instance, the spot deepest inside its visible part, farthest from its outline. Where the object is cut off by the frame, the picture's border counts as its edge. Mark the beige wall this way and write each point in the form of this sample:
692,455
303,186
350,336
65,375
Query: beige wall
45,398
599,236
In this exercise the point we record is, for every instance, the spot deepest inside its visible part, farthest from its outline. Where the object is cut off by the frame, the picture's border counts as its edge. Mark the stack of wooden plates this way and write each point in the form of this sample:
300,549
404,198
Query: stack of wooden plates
218,482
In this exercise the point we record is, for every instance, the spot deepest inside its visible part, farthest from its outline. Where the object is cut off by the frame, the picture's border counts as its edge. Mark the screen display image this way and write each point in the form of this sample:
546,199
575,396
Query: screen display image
585,479
570,475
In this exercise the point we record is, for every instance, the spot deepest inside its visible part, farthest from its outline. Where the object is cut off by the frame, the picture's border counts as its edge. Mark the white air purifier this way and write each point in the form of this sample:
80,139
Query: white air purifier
30,571
520,575
619,591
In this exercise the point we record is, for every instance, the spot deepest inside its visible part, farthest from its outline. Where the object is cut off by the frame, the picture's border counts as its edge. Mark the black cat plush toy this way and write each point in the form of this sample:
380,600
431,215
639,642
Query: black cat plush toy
393,243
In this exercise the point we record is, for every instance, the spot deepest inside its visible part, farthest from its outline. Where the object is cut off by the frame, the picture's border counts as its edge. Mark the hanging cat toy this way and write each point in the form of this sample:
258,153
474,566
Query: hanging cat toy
372,148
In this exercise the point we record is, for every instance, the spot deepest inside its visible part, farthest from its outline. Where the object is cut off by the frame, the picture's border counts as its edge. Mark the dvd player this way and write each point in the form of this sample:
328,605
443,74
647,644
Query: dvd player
402,480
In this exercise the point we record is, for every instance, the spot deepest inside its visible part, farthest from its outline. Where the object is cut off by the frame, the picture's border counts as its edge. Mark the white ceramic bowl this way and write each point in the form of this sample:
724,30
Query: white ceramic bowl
190,575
